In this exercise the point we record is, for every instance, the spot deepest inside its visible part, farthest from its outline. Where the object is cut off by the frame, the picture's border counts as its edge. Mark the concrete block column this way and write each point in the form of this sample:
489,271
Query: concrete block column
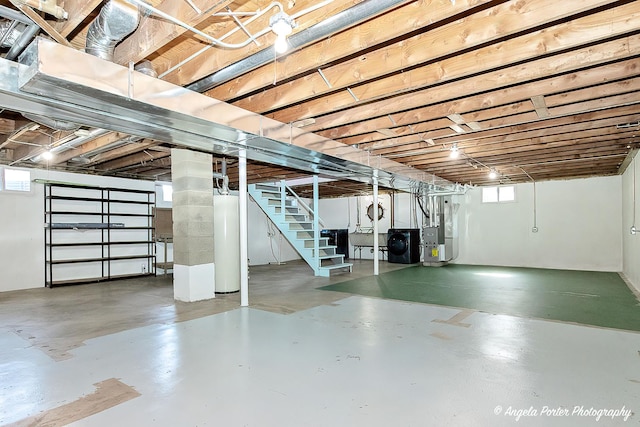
193,267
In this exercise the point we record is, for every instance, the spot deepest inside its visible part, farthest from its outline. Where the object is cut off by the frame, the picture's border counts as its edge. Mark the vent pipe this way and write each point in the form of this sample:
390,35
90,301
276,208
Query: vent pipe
13,32
47,6
117,19
51,123
145,67
10,32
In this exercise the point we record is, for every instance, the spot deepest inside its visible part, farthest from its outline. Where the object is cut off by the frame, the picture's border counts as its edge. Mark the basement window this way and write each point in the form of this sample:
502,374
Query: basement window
498,194
167,193
16,180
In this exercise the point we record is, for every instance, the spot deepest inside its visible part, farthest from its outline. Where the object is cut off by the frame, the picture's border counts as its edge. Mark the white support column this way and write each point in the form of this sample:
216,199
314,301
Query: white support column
316,225
244,253
193,226
376,244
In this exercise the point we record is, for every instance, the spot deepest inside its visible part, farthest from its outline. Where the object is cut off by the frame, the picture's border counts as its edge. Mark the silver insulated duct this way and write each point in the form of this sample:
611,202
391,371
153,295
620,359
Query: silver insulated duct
116,20
51,123
10,31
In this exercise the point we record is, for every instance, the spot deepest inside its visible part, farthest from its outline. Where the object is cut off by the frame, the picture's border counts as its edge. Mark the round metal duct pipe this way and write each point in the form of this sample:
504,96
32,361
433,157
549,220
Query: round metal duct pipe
117,19
51,123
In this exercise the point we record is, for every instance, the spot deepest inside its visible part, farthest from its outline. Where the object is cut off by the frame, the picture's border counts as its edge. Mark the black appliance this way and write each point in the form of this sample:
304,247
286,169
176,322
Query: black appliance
338,238
403,245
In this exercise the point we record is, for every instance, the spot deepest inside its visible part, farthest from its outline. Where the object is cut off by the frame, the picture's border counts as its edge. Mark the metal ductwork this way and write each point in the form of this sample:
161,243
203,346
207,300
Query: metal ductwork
146,67
339,22
73,143
51,123
10,32
116,20
23,41
97,93
16,33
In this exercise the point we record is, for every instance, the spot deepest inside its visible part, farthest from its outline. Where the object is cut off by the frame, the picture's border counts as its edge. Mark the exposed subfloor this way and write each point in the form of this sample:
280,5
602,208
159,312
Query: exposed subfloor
124,353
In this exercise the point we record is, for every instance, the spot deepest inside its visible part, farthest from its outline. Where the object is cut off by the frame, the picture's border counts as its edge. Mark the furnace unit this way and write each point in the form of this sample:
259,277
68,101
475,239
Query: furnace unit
440,230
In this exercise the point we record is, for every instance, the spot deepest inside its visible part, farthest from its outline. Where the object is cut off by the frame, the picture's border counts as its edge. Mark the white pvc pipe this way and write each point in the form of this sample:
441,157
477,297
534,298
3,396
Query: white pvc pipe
244,253
376,245
204,49
194,30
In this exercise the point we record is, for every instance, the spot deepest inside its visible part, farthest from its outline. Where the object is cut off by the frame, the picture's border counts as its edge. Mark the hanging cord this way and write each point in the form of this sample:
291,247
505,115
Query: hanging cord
418,197
415,211
535,204
633,219
271,231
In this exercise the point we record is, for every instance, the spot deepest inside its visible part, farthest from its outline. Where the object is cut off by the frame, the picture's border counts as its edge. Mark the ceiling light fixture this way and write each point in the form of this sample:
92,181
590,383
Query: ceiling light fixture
493,174
454,151
47,155
282,25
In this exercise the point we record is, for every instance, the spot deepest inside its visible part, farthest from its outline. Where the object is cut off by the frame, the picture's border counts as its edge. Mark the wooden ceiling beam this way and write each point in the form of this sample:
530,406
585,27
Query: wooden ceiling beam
384,28
78,11
485,26
87,147
7,126
139,159
515,144
125,150
580,122
546,67
522,146
514,95
155,32
41,22
216,59
416,133
577,122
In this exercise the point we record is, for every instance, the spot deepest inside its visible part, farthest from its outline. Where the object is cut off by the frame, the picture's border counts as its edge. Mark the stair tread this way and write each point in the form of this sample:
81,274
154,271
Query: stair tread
294,225
334,266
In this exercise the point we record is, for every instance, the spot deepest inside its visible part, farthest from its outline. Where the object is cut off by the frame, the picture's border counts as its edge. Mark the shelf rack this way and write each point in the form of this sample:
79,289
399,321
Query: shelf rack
94,234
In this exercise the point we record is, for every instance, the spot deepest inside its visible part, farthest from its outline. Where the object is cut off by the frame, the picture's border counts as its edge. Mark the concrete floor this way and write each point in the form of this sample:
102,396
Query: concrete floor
125,353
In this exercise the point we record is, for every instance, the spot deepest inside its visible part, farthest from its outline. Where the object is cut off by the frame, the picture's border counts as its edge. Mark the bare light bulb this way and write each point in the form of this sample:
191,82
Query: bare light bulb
281,44
47,155
454,152
493,174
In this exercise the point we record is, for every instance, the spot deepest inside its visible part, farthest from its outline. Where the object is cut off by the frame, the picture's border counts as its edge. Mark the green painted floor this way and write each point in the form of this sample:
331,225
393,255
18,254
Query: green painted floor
585,297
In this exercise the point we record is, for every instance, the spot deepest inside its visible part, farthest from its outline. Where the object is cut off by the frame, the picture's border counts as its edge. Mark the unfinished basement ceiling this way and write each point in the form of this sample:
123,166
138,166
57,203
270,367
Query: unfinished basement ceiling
532,89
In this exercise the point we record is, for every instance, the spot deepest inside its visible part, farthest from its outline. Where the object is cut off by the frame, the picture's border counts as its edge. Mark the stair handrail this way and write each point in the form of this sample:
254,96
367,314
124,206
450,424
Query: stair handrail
302,202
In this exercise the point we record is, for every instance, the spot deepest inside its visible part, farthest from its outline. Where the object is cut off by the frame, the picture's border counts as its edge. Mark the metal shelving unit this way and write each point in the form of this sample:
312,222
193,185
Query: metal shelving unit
103,232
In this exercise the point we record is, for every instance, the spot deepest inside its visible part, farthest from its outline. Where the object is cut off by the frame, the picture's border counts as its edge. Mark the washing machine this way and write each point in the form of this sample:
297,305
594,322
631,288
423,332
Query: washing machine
403,245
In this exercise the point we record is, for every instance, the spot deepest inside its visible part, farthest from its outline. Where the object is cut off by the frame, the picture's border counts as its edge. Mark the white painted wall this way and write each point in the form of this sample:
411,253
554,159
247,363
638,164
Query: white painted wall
581,226
631,243
343,213
578,221
22,227
265,243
